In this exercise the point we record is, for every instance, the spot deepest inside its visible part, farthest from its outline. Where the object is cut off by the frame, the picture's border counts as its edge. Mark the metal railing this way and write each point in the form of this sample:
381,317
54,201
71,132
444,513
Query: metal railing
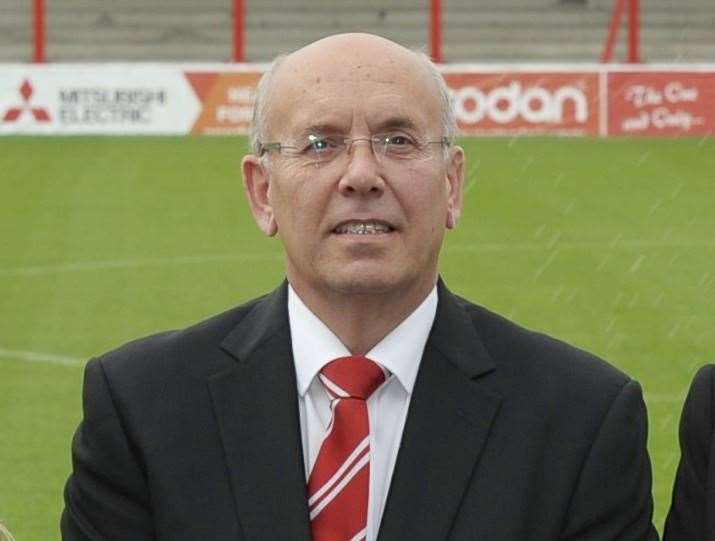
619,8
435,30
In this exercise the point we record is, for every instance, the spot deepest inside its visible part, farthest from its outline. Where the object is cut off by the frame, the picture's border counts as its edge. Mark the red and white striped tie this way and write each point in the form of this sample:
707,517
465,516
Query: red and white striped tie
338,487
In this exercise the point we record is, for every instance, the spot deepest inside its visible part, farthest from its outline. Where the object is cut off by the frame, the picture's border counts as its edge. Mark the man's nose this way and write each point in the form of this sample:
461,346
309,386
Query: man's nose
362,171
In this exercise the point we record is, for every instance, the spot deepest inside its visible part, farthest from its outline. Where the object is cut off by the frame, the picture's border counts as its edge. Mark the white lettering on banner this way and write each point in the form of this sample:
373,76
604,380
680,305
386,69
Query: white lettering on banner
637,123
234,114
240,110
641,95
661,118
673,92
504,104
241,94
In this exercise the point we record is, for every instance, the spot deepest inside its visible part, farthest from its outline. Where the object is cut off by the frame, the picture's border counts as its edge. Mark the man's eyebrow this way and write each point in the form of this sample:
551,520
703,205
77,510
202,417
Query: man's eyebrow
328,128
325,128
397,122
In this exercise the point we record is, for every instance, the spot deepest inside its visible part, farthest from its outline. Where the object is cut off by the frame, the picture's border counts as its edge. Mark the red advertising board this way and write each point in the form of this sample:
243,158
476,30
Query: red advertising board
513,102
673,103
575,100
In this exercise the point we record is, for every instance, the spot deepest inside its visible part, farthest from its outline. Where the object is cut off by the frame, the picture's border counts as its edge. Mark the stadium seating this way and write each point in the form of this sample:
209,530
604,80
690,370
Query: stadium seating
474,30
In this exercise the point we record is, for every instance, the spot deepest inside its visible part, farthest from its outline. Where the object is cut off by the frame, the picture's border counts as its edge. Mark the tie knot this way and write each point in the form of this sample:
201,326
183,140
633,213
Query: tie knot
352,377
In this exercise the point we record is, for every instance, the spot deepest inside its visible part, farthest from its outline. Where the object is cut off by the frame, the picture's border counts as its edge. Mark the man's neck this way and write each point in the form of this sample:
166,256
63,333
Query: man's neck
360,321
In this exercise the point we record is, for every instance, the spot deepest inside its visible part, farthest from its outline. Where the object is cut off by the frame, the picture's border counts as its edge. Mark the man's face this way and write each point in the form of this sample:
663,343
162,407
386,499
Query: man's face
358,224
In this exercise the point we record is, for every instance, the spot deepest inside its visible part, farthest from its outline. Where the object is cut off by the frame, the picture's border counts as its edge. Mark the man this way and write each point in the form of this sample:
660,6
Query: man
692,514
361,399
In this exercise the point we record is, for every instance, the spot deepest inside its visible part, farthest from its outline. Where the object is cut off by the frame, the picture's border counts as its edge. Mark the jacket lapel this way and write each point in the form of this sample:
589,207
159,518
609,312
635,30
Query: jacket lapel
447,425
256,407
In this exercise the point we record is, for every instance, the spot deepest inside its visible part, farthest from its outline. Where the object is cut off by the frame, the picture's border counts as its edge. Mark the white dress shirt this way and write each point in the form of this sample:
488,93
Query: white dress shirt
400,352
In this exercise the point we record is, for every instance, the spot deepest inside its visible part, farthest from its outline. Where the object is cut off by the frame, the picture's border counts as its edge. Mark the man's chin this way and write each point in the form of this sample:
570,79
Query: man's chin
366,283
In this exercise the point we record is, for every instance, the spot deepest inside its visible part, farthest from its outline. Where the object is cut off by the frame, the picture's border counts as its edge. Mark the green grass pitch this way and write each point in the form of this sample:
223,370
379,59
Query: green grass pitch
607,244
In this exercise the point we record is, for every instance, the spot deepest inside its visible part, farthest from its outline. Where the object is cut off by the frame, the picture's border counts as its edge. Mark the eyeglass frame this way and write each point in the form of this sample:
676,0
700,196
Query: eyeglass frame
347,142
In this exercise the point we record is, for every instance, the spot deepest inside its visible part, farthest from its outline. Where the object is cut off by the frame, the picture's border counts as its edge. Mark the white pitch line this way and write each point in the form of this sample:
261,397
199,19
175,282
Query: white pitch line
42,358
67,360
82,266
131,263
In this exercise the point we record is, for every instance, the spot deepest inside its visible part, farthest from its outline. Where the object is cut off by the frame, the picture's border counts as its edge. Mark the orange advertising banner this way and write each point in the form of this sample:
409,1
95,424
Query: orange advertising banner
661,103
227,99
514,103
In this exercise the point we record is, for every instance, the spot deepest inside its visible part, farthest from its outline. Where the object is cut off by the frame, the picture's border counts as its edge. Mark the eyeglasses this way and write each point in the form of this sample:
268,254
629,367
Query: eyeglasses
389,146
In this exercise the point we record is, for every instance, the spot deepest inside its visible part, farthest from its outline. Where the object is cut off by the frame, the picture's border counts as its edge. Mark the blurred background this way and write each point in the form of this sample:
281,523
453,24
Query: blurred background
472,30
603,241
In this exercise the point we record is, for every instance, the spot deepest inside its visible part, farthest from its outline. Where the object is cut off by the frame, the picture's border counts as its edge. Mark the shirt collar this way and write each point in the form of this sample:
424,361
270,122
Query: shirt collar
400,352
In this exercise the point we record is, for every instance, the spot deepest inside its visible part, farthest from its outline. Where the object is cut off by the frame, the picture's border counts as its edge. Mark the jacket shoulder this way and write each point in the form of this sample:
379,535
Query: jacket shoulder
180,349
539,361
697,425
703,383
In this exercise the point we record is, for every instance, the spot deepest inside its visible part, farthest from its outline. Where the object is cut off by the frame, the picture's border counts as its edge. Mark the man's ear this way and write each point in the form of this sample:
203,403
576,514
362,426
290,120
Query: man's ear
257,184
455,186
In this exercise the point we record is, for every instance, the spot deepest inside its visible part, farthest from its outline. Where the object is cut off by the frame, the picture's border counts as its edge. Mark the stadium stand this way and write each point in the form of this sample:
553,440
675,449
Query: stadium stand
474,30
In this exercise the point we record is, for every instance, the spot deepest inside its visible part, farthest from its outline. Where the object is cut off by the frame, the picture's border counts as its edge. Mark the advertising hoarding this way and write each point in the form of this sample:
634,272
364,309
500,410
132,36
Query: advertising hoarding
490,100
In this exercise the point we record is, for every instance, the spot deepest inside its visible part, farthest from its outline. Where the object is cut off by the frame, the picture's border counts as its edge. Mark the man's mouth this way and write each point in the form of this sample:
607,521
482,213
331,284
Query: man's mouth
369,227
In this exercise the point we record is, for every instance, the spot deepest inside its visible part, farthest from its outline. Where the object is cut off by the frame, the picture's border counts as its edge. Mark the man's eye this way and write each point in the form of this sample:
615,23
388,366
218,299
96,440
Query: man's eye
319,145
399,140
398,144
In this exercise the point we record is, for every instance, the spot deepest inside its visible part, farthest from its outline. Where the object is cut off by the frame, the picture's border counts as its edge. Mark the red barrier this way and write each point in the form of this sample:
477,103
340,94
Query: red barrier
239,24
436,31
633,30
633,33
39,30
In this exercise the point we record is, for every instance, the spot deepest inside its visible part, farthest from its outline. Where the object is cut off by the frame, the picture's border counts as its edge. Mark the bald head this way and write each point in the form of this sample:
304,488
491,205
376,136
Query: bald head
347,59
354,136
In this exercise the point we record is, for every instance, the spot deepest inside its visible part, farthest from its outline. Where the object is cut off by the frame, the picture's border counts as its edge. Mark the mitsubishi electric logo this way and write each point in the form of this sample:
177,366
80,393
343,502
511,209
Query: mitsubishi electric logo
13,114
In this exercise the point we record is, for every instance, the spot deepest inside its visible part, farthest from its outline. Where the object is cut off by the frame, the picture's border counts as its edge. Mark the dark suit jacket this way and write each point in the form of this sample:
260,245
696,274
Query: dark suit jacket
692,514
510,436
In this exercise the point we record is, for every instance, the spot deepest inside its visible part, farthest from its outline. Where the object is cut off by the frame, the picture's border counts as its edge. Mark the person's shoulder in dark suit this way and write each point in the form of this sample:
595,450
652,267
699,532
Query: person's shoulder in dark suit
581,420
140,401
692,513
